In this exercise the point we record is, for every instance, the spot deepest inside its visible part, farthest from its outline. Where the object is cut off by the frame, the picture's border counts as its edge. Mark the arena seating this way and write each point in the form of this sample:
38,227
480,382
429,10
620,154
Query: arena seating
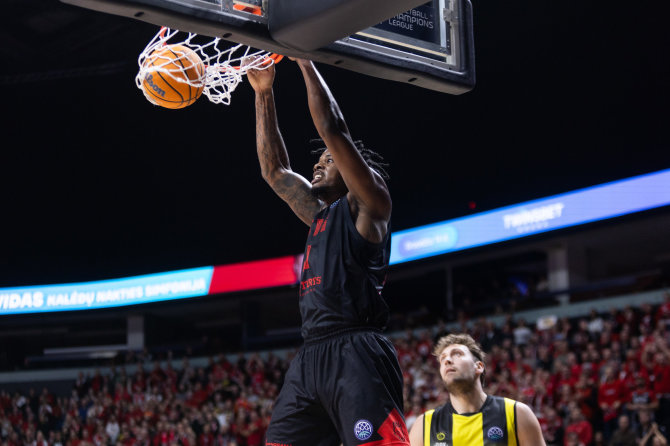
585,378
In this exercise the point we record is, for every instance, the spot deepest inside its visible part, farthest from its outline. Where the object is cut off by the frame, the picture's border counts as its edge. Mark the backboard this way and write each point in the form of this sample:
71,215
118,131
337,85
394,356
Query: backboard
430,46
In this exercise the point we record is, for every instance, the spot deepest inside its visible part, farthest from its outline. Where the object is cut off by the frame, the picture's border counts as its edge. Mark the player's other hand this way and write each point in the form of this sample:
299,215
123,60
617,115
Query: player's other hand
261,80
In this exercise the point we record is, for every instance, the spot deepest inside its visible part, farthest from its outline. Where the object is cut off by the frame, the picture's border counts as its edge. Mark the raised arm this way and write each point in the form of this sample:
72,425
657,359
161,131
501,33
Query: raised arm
367,190
293,188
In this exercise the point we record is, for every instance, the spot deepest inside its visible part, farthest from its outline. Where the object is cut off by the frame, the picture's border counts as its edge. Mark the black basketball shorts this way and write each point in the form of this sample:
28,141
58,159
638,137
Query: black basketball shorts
346,389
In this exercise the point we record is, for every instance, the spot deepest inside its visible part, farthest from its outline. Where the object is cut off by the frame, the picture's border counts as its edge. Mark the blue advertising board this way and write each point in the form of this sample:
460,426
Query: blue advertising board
533,217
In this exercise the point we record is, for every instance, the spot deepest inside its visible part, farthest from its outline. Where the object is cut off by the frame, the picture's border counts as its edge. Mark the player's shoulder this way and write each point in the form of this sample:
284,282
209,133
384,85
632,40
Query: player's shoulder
525,415
523,407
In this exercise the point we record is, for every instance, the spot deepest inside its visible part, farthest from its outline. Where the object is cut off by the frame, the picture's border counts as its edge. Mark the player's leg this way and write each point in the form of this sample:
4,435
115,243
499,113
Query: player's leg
297,416
363,390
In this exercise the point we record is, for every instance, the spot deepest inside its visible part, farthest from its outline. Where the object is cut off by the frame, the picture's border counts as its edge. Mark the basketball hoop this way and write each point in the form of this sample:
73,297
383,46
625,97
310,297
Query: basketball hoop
224,67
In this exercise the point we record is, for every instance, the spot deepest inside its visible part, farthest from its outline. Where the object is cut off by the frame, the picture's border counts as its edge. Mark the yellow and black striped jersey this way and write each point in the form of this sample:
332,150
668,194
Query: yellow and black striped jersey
493,425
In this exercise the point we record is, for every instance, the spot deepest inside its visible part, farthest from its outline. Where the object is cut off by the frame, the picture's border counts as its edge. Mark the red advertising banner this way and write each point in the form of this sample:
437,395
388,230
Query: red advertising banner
257,274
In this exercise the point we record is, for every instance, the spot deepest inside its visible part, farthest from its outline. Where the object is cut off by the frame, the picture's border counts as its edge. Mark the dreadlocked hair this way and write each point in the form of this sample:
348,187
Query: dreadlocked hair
374,160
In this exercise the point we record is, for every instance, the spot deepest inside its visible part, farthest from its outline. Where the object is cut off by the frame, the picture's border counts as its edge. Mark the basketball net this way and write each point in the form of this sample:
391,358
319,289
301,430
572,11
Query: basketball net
224,67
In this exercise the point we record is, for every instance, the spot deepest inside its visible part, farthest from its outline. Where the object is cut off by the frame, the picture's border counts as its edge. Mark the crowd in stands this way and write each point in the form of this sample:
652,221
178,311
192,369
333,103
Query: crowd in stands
597,380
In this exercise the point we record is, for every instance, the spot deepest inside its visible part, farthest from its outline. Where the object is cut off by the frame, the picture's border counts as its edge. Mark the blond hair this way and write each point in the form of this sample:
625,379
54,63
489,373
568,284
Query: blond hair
466,340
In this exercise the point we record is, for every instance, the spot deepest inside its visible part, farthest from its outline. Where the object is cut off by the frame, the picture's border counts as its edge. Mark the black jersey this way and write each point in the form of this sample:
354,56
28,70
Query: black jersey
342,275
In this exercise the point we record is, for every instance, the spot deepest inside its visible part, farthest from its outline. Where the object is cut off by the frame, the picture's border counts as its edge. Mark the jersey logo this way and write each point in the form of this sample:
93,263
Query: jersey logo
363,429
440,436
495,433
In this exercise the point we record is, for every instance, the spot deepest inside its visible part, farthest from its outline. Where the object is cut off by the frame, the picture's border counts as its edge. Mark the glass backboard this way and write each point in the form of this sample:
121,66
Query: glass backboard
430,46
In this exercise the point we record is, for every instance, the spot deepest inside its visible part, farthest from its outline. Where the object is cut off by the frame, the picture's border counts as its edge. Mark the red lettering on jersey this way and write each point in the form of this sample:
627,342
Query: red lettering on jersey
306,264
306,286
320,226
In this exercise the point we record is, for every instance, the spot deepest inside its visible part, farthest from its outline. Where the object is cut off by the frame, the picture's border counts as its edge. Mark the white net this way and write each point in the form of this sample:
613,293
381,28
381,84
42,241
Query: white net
223,66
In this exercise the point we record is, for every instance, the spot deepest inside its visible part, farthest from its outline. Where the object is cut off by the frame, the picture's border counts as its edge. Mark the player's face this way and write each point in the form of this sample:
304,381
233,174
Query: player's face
458,367
326,178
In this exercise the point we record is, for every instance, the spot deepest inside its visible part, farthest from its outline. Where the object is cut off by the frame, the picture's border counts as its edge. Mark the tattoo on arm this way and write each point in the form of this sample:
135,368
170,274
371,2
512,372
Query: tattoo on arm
269,143
296,192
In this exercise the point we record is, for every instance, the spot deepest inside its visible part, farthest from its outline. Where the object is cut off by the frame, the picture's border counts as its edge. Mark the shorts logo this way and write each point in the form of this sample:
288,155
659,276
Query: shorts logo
495,433
363,429
440,436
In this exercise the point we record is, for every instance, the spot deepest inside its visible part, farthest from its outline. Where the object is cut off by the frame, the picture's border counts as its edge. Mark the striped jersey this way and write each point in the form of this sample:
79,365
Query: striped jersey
493,425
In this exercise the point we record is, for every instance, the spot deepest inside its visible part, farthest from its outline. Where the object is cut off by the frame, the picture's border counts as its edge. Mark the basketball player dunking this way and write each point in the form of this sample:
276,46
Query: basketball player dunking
470,416
344,386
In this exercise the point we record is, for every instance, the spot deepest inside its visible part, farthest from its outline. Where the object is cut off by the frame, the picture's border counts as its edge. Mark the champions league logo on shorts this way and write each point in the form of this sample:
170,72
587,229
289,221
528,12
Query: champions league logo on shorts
363,429
495,433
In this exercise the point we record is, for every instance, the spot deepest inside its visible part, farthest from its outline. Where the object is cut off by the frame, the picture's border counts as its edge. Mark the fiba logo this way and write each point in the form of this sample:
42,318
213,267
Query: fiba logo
495,433
363,429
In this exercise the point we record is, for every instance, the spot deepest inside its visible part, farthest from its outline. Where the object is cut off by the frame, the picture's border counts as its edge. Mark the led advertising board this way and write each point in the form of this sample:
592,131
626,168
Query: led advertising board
583,206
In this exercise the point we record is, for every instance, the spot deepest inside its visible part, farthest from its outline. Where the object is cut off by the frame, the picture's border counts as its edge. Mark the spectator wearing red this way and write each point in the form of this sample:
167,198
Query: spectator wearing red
170,378
96,381
40,440
121,394
629,370
610,399
157,375
578,426
564,376
198,396
661,372
254,429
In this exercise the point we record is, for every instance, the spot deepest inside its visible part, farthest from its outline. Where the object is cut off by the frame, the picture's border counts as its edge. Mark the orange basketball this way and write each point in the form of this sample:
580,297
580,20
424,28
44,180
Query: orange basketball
174,76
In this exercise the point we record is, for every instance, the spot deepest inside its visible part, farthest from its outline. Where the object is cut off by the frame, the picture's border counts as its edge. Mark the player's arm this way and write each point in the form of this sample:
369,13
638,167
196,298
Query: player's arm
293,188
416,432
366,188
528,429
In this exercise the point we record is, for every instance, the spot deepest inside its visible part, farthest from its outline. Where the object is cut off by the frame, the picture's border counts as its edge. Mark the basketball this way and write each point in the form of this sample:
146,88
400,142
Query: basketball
174,77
